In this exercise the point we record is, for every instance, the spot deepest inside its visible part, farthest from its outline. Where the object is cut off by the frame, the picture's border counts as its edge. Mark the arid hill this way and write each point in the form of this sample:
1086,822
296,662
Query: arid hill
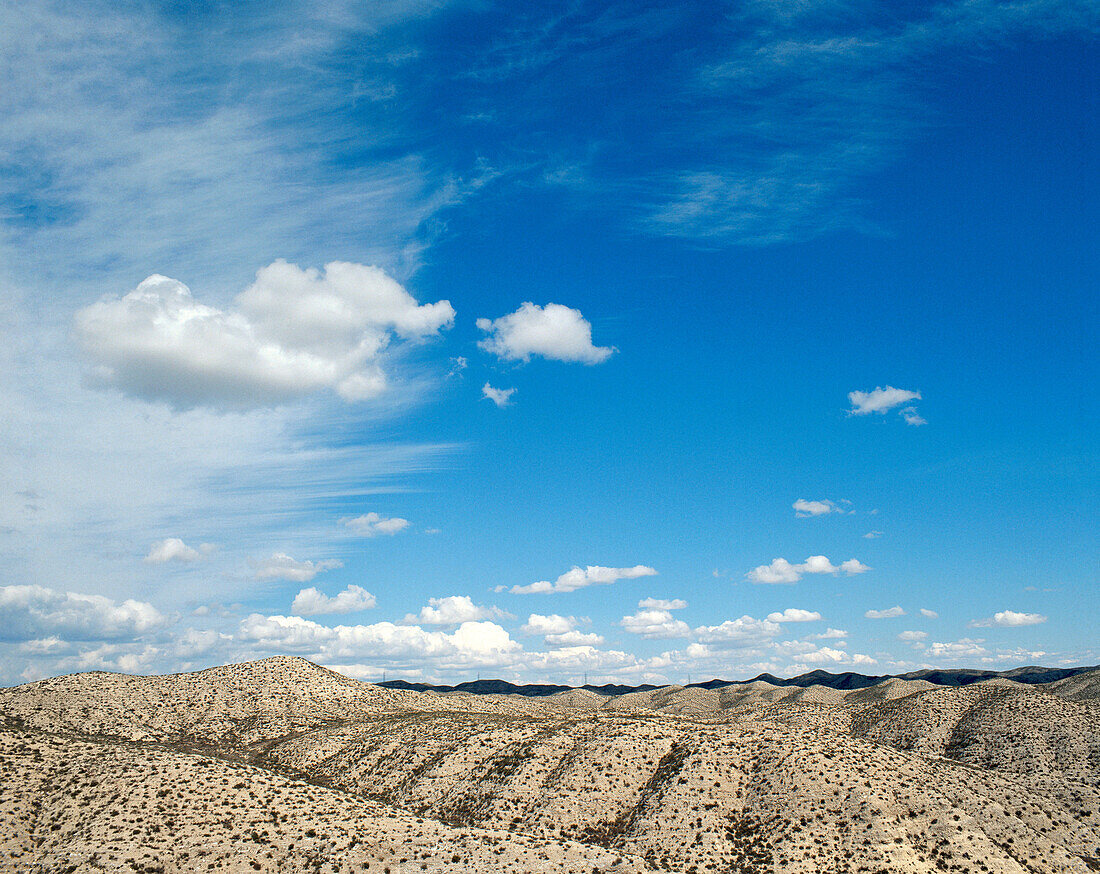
280,765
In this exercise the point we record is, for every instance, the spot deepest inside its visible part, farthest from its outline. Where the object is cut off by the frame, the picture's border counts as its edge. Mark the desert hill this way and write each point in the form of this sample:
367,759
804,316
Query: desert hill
903,775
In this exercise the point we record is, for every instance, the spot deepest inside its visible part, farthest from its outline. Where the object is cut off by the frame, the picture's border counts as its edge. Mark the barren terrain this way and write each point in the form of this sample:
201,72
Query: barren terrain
281,765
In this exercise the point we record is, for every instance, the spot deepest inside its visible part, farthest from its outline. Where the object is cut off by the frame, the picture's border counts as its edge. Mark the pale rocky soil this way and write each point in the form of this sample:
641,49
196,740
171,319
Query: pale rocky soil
283,766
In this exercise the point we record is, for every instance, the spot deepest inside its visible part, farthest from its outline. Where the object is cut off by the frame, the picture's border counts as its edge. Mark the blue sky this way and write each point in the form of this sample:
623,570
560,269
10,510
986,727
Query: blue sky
330,331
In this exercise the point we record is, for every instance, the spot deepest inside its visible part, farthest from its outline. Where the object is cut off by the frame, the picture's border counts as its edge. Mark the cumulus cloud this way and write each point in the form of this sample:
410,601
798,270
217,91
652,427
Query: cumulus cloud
829,634
929,614
37,612
654,623
281,566
888,613
912,636
959,649
453,610
553,331
880,400
313,602
538,623
502,397
804,508
662,604
371,524
573,638
912,417
871,535
742,632
793,614
174,549
1008,619
472,643
782,571
291,333
579,578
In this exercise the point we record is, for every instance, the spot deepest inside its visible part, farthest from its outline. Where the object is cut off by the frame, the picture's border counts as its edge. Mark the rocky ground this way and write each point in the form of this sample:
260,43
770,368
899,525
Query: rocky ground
281,765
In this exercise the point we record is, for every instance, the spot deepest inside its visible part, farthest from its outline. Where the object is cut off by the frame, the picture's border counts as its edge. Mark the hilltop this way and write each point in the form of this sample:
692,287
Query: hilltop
281,765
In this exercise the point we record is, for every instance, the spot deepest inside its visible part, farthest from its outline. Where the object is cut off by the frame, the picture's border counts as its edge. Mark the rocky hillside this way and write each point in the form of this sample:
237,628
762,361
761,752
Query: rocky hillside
901,776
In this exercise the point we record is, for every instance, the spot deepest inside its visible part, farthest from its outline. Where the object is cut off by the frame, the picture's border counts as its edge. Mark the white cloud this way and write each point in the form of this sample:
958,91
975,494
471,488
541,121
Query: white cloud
827,655
912,636
888,613
829,634
1009,619
502,397
912,417
281,566
655,623
662,604
293,332
782,571
964,648
174,549
579,578
553,331
871,535
30,612
370,524
453,610
880,400
804,508
929,614
742,632
472,643
793,614
313,602
537,623
574,638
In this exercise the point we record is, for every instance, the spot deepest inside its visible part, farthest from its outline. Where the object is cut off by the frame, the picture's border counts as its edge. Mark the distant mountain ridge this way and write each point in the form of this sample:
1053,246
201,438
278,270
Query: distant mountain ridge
848,680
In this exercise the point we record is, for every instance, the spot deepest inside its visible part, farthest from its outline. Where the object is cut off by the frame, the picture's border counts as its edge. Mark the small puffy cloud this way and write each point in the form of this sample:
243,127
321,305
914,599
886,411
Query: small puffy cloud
929,614
313,602
452,610
174,549
471,644
782,571
912,636
552,624
281,566
829,634
793,614
553,331
959,649
828,656
579,578
655,623
38,612
292,332
912,417
804,508
502,397
1008,619
372,524
779,571
742,632
871,535
573,638
880,400
662,604
888,613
